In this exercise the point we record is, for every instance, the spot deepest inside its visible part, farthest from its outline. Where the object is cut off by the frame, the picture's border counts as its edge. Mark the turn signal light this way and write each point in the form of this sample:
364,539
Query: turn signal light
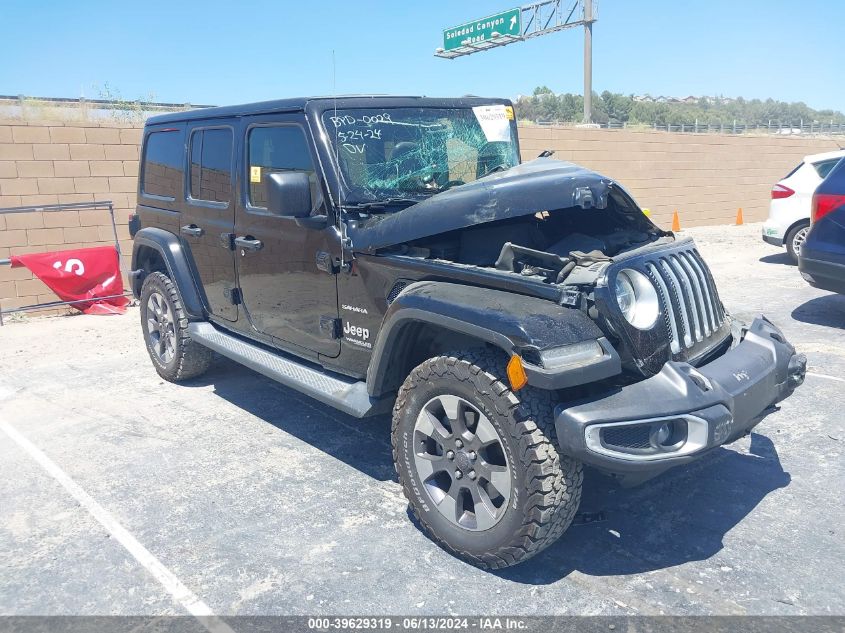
824,203
516,373
781,191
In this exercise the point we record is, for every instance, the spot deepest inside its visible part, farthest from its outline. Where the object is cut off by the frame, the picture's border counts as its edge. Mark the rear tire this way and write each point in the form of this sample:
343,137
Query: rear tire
176,357
482,516
795,239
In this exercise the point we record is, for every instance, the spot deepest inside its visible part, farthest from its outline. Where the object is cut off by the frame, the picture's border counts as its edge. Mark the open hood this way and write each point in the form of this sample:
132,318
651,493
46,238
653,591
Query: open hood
542,184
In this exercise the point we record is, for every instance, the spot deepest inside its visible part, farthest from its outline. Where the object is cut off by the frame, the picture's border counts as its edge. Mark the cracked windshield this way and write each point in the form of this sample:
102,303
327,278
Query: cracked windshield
406,154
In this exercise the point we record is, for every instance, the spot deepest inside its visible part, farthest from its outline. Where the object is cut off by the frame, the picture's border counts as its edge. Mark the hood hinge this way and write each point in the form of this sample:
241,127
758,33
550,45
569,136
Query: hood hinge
330,327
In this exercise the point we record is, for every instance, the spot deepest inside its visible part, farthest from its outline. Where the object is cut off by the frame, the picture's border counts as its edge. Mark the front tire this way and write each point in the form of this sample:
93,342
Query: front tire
478,462
795,240
176,357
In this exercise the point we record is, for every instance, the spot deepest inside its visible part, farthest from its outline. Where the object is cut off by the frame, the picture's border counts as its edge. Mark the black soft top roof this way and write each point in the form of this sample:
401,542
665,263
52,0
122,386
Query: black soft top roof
300,103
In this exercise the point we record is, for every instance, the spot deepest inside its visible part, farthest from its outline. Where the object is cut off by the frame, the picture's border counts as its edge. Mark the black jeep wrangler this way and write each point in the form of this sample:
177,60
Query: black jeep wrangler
522,319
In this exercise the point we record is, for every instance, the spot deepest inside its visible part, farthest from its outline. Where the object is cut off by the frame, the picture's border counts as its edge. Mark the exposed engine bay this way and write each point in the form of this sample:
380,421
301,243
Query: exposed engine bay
548,244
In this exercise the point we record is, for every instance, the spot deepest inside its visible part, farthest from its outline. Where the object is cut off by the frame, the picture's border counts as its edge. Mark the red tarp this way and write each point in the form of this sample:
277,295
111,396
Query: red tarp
85,273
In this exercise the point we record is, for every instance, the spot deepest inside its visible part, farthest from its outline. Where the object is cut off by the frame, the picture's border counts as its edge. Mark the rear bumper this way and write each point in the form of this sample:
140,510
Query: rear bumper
773,233
823,274
708,406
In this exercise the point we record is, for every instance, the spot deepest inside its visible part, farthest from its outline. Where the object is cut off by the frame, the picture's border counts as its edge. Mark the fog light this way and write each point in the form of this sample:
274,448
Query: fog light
668,435
664,432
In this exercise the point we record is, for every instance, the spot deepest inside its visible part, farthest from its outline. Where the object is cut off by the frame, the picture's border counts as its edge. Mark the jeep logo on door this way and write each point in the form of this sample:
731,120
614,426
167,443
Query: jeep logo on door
357,335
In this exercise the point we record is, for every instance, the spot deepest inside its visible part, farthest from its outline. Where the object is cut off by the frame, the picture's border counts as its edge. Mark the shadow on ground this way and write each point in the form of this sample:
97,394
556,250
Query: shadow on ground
681,516
778,258
363,444
828,310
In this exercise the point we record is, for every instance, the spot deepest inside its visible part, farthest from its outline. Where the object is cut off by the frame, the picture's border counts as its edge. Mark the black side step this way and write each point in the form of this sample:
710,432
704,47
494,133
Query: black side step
343,393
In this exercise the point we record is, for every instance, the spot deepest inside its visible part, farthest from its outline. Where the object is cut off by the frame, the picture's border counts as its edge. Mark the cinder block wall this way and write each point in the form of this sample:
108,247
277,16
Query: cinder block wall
45,163
706,177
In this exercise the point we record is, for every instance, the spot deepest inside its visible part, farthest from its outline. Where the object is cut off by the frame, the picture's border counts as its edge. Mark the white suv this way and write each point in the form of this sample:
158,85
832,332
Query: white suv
789,211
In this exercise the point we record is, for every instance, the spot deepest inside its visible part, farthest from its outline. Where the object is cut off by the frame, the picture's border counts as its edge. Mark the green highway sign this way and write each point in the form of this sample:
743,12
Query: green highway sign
504,23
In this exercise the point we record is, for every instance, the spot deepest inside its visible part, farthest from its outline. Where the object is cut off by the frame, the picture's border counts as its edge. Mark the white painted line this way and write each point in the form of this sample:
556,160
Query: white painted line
164,576
815,375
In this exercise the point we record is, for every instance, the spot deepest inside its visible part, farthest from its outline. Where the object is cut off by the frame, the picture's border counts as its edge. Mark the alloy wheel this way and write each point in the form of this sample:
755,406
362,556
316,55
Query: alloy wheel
161,328
799,239
462,463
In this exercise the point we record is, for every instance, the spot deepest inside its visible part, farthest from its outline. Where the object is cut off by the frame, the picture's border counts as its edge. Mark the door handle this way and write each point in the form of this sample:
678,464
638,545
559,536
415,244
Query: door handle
249,243
192,229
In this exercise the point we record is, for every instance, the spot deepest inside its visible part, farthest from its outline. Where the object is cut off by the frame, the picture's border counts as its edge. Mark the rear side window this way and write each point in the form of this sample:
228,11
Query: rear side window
163,164
277,149
824,167
211,165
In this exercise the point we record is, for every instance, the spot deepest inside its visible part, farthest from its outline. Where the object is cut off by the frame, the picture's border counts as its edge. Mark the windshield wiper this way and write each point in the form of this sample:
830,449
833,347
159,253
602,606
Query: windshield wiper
380,204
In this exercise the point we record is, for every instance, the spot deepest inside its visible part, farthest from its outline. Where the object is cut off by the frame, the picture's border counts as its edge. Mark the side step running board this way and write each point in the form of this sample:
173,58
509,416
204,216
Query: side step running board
343,393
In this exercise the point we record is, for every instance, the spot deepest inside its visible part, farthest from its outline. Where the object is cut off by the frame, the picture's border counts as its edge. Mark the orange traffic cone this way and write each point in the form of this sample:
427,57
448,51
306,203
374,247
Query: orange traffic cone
676,221
739,217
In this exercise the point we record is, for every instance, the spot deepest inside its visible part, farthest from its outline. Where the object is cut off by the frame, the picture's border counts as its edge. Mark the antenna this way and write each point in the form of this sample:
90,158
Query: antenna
336,152
340,225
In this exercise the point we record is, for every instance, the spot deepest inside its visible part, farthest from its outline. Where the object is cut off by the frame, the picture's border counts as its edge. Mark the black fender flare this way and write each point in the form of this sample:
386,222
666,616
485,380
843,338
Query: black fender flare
168,246
516,324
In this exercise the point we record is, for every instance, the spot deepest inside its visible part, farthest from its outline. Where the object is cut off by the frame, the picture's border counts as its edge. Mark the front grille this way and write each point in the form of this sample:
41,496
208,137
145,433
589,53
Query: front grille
693,311
693,322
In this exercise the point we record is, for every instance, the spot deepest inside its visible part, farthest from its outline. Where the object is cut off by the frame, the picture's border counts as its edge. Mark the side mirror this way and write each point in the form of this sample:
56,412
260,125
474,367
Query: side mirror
288,194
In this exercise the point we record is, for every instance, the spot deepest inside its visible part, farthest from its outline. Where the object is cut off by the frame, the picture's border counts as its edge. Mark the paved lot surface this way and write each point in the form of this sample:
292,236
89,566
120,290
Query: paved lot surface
261,501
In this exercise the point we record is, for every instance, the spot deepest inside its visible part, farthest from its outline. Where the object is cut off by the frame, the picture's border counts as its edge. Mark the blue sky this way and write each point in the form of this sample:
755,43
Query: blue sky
230,52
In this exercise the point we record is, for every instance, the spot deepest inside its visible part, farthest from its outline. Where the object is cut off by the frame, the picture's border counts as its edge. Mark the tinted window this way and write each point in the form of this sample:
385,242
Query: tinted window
835,181
211,165
163,164
277,149
823,168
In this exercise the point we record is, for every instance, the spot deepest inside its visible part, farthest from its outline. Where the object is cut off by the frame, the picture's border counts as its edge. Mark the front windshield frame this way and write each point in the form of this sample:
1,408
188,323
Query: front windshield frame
354,193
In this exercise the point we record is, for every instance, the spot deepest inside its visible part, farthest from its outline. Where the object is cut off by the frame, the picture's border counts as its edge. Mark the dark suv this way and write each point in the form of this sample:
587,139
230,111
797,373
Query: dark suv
520,319
823,263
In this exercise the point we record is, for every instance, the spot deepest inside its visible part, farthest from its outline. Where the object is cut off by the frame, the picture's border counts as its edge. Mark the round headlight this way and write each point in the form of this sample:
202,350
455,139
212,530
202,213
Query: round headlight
625,296
637,299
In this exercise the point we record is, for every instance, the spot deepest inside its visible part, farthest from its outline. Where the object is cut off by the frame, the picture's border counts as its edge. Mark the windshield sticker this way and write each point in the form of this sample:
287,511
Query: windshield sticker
255,174
494,122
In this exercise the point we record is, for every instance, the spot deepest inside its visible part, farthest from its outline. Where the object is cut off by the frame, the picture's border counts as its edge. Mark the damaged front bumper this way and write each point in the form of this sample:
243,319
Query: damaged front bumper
674,417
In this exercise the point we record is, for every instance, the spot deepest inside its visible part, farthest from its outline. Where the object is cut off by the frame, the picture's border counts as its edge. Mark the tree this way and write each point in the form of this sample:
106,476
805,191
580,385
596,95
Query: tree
611,107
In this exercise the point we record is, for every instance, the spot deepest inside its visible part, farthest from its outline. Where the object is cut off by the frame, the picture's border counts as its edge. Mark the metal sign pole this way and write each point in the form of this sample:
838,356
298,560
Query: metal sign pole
65,207
588,61
513,25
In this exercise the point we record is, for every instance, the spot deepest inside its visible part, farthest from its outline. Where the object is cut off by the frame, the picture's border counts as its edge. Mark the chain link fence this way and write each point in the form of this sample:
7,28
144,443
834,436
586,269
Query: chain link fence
778,128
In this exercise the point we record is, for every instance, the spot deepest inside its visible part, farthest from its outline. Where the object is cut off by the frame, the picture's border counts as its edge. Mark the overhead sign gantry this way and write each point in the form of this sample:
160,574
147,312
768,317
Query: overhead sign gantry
522,23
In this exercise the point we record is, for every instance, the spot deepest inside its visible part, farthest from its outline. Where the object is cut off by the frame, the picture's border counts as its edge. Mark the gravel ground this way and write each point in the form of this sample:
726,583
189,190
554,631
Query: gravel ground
261,501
